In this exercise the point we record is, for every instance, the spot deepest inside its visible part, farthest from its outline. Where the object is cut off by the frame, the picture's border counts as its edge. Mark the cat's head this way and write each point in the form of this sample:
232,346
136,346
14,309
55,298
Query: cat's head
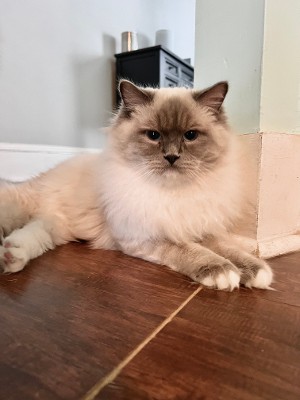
171,133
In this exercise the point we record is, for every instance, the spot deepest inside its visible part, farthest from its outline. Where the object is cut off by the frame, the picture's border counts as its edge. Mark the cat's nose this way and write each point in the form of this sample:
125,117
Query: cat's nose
171,158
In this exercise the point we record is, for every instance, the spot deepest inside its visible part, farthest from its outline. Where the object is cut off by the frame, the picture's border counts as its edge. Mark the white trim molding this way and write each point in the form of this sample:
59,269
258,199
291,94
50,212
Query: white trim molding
19,162
282,245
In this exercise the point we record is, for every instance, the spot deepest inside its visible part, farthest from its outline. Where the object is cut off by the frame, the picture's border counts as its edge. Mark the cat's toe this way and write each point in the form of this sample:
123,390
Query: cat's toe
262,279
225,277
228,281
12,259
223,281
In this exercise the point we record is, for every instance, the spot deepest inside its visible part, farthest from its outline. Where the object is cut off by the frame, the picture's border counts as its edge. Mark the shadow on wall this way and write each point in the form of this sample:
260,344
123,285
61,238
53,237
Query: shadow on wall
94,94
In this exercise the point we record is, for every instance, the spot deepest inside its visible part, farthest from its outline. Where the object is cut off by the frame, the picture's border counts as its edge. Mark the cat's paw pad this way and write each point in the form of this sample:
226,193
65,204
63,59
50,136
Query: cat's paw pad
262,279
225,277
12,259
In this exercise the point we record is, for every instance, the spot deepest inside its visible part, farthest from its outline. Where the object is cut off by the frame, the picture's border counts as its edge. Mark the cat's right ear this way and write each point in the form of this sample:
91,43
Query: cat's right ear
132,95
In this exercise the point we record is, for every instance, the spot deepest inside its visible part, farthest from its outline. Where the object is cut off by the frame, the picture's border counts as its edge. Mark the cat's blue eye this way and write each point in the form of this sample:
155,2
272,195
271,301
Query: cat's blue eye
153,135
190,135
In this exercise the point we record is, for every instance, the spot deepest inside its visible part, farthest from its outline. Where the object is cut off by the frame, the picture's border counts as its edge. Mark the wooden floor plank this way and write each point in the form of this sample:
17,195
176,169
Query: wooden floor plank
243,345
287,280
72,315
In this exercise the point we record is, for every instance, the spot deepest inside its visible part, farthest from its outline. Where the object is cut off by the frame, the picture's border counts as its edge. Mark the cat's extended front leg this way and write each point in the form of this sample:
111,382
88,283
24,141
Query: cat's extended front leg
23,245
191,259
255,272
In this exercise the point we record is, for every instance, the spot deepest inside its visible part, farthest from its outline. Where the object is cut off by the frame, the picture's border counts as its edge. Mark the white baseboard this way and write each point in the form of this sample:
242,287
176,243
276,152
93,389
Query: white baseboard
278,246
271,247
19,162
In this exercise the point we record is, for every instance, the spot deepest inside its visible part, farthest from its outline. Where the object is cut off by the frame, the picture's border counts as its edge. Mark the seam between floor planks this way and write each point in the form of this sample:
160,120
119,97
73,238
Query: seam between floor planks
107,379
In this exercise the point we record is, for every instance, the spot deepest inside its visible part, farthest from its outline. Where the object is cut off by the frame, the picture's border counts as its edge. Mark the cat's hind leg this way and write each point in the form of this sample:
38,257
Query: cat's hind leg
24,244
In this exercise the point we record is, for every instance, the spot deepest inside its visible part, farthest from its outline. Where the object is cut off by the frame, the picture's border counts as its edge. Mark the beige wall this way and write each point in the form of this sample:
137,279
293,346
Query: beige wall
275,190
278,222
279,207
257,48
280,92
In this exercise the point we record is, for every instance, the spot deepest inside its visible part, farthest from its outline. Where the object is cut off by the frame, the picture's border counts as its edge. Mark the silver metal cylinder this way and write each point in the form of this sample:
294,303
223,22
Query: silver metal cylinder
129,41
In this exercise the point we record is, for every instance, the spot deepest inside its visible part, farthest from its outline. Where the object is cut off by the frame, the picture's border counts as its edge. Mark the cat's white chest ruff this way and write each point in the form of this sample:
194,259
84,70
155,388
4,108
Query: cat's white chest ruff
141,211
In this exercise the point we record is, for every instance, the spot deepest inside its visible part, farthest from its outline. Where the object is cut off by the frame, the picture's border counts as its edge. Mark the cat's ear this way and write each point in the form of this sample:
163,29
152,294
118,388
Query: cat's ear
212,97
132,95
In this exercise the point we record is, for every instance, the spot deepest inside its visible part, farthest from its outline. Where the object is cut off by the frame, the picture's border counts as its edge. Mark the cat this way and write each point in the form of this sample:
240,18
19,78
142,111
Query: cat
168,189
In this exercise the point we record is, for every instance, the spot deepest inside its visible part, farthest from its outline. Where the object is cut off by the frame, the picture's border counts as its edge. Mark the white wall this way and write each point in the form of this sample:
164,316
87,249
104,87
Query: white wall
229,42
179,17
57,62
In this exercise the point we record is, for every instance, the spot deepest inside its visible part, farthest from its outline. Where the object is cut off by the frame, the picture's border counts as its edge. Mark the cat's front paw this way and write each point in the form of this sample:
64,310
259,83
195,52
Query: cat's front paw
257,274
12,259
223,276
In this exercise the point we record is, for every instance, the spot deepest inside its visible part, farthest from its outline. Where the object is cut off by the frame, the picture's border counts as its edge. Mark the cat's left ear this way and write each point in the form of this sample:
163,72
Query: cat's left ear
133,95
212,97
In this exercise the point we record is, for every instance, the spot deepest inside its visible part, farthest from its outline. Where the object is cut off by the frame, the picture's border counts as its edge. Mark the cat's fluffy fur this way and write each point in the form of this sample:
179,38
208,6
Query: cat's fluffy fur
166,199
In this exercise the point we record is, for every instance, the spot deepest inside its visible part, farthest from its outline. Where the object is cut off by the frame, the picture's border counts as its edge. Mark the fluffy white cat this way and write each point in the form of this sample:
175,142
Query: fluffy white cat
169,188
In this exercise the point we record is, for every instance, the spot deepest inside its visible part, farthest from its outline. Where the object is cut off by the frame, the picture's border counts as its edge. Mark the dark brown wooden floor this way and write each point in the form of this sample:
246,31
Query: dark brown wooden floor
86,324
